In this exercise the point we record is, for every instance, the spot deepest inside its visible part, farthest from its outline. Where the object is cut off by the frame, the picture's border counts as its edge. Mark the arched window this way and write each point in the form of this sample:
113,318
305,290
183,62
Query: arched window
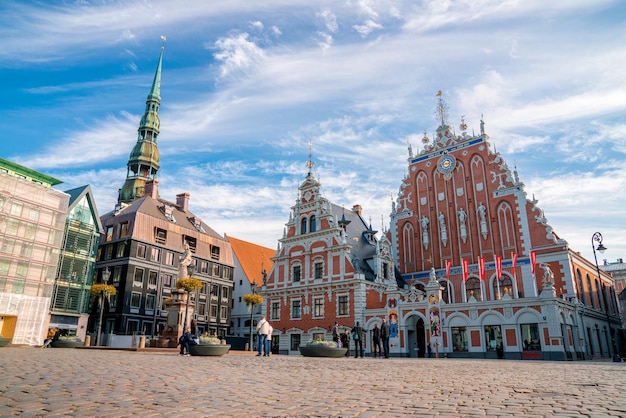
472,288
581,288
313,224
444,293
502,287
408,237
303,223
592,302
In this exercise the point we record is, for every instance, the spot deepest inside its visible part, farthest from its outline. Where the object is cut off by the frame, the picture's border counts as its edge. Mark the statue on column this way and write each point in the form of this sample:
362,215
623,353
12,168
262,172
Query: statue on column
184,261
548,275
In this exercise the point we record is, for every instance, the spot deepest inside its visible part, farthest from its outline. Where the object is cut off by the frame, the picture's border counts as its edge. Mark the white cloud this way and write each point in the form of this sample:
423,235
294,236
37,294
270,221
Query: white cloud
237,54
367,27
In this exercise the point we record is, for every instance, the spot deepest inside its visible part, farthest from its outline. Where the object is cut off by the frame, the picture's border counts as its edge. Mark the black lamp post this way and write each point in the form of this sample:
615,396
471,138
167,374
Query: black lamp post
253,287
105,279
597,237
190,270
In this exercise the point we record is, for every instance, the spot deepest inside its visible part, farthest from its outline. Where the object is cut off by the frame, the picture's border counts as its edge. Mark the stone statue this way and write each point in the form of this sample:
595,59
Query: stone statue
548,275
432,275
184,261
462,215
424,222
264,277
481,211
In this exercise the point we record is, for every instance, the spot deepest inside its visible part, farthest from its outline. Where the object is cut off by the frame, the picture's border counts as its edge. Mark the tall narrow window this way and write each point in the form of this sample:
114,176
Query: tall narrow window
123,229
343,308
319,270
313,224
303,223
297,271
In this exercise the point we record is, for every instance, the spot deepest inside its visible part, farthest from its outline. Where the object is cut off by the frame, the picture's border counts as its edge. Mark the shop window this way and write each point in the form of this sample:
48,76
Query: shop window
493,336
530,337
459,339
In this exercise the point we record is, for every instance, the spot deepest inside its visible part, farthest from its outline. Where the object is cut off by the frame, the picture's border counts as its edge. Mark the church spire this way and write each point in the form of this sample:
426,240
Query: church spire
143,163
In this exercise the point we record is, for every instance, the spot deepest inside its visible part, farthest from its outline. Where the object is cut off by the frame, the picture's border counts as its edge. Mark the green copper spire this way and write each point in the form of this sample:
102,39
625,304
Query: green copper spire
143,163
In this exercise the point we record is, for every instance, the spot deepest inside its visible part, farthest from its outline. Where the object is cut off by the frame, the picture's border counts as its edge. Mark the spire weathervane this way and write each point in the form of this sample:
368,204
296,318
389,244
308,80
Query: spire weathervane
310,163
442,108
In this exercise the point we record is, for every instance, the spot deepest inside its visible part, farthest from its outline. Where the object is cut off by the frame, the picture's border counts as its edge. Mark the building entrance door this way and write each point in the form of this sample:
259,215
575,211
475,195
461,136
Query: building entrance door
420,334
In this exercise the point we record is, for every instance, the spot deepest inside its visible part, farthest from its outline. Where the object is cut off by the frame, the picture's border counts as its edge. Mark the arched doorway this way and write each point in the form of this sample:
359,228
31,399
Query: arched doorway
420,334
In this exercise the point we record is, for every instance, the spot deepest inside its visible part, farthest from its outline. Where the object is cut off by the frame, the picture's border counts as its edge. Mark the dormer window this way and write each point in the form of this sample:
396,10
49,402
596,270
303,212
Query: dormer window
197,223
168,211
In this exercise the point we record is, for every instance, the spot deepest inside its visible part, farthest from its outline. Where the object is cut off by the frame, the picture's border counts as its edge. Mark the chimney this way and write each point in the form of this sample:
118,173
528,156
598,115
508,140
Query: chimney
182,201
357,209
152,189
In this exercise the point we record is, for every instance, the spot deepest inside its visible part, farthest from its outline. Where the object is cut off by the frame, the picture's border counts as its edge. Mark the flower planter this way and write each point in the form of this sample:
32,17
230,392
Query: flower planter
4,341
66,344
209,349
322,351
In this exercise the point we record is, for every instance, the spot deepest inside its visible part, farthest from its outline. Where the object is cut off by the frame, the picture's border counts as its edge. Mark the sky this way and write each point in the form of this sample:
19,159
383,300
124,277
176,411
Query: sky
247,85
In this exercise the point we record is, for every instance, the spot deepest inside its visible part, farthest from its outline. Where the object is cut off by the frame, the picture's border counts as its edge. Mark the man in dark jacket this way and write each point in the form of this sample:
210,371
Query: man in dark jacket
384,336
376,341
357,337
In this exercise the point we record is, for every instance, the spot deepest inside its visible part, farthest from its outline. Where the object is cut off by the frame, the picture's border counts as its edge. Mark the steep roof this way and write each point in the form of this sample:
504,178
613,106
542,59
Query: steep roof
77,194
253,258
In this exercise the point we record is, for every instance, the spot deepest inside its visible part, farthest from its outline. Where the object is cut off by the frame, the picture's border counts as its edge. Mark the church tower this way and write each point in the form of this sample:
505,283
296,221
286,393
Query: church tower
143,163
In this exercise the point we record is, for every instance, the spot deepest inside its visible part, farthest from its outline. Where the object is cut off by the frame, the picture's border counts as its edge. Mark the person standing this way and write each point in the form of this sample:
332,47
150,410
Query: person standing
268,341
262,328
336,333
385,331
376,341
183,341
345,342
357,336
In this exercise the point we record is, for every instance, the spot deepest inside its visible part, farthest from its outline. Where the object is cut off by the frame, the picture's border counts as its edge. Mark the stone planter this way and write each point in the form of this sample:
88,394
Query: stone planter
209,349
66,344
4,341
322,351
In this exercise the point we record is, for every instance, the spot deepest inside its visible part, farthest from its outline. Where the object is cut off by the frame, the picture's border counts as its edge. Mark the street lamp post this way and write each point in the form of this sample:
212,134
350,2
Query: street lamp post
597,237
105,279
253,287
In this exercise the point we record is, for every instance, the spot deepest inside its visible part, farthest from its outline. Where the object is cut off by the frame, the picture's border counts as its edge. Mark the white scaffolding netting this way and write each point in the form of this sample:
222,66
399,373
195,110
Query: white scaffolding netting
32,316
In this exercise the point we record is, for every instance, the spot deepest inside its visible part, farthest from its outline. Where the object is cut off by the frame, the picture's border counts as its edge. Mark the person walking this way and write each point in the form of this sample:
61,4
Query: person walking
345,342
262,328
357,337
376,341
384,336
183,341
336,333
268,341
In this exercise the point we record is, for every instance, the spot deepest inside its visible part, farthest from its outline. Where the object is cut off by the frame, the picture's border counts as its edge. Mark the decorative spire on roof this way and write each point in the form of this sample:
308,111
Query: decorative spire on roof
310,162
442,109
143,163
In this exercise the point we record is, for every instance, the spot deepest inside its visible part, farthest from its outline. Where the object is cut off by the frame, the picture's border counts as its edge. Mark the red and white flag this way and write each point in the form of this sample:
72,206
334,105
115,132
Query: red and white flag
533,261
514,260
448,267
481,268
498,266
465,266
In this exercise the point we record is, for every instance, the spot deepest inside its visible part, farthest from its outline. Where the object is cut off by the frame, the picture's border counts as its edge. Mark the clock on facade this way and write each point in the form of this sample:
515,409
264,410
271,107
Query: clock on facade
446,164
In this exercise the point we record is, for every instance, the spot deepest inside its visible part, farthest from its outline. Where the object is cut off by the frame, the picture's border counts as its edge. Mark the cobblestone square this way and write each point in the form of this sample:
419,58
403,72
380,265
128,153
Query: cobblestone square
106,383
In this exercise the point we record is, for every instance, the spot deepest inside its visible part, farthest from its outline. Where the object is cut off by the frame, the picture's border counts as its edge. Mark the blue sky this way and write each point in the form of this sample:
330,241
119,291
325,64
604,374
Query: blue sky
247,84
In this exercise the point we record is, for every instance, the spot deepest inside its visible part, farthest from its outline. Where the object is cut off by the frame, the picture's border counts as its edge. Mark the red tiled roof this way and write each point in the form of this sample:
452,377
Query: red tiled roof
253,258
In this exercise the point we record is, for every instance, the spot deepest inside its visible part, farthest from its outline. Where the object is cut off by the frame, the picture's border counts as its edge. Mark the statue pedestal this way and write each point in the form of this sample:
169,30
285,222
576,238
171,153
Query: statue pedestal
175,317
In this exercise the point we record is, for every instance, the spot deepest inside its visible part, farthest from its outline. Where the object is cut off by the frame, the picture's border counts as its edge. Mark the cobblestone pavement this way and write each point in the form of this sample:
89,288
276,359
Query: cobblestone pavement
103,383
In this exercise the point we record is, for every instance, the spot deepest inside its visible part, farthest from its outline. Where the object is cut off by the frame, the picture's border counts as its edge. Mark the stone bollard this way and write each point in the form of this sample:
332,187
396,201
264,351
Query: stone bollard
142,342
87,340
